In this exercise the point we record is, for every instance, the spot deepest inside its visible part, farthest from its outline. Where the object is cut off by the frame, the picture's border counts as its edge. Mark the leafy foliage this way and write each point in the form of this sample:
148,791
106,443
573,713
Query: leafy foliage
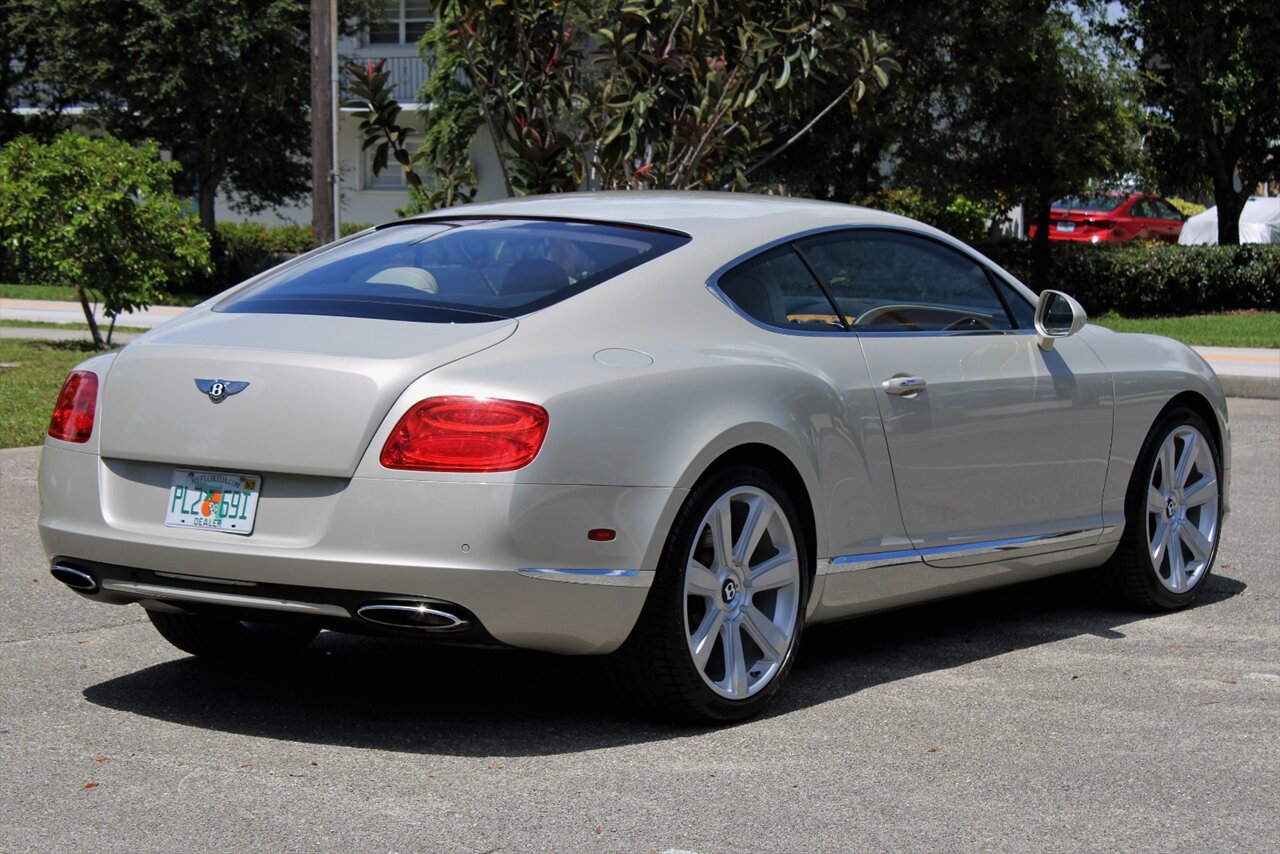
1186,208
223,85
960,217
1155,279
1213,95
98,214
632,93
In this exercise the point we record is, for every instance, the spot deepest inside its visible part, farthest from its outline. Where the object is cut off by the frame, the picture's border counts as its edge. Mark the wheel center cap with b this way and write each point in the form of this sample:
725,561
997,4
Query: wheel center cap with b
1170,507
729,590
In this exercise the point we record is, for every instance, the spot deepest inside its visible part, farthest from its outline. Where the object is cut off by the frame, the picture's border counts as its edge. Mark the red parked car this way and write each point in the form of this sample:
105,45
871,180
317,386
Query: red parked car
1113,218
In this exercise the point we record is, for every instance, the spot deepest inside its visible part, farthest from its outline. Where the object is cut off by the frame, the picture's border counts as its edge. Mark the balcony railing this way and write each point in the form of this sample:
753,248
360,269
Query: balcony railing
408,75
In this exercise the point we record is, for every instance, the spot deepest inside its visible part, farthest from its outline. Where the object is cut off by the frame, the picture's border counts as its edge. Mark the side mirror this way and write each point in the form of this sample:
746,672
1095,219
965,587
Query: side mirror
1057,316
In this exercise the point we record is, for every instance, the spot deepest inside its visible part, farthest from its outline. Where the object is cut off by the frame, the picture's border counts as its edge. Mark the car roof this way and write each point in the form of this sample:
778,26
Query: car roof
744,216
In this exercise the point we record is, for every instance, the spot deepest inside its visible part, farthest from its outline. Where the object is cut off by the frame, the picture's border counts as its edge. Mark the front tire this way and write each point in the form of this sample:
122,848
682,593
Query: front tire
1173,517
722,623
229,640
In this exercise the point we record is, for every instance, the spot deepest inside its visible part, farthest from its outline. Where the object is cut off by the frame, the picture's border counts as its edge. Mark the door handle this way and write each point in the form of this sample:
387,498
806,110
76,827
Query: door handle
904,385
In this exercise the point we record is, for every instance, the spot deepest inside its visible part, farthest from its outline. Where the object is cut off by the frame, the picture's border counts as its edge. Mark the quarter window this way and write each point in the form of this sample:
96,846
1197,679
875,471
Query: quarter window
777,289
885,281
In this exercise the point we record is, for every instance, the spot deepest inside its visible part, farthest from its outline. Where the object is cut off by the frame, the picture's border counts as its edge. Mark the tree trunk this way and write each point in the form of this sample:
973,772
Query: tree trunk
205,198
1040,258
1230,205
98,343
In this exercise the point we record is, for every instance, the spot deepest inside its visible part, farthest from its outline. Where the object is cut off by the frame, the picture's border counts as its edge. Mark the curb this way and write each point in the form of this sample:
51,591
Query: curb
1261,388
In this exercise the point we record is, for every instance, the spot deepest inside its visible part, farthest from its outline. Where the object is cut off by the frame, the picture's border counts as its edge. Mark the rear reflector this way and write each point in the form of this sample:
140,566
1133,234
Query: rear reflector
72,419
466,434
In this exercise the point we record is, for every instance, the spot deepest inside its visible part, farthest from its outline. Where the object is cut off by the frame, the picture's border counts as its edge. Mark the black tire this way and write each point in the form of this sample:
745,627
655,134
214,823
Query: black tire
229,640
655,668
1131,578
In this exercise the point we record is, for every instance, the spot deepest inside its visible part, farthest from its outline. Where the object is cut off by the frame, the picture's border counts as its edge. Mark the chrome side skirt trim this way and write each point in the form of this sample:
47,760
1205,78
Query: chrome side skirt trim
610,577
208,597
1014,546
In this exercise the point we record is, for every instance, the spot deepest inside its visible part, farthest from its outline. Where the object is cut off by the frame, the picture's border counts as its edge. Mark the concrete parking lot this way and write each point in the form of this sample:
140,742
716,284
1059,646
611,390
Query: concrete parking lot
1023,720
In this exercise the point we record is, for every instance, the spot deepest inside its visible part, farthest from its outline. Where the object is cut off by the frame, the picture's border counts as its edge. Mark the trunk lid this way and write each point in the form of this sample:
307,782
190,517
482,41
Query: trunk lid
318,388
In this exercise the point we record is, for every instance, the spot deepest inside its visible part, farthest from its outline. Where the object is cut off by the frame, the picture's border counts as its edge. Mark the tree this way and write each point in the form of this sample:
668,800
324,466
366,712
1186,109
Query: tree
980,115
1212,74
1052,112
222,84
30,103
635,93
100,215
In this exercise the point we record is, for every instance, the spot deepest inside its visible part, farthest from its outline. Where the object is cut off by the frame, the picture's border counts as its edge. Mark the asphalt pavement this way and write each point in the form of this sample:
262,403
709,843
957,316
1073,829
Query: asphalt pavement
1028,719
1245,372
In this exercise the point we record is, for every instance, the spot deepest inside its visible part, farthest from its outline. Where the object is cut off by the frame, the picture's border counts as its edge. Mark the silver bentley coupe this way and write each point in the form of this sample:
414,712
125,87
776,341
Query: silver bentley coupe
670,428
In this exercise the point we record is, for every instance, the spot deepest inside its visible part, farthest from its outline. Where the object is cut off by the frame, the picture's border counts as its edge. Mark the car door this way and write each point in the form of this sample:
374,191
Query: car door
1169,220
994,443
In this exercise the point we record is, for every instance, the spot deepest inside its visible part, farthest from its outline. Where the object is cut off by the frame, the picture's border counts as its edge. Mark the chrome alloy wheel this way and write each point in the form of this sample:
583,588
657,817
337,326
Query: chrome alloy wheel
1182,509
741,593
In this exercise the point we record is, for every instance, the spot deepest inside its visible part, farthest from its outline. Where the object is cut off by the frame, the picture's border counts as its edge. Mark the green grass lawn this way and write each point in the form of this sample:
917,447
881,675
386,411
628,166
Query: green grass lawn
66,293
31,374
84,327
1250,329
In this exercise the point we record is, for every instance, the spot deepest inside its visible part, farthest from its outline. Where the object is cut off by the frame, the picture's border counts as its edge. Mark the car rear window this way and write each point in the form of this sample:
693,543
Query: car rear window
1091,202
457,271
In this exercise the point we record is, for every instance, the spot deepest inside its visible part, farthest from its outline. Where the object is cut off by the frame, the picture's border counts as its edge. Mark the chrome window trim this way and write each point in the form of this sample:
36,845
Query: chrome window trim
713,282
903,557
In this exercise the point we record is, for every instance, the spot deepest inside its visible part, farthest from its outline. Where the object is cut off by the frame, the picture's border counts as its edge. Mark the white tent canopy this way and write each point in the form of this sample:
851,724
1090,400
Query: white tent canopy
1259,223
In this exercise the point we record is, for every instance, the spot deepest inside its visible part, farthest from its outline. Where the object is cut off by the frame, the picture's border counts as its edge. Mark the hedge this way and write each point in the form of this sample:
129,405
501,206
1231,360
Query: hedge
1152,279
244,249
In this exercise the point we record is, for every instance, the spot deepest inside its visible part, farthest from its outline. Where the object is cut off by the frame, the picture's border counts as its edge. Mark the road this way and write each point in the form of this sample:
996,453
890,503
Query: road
1023,720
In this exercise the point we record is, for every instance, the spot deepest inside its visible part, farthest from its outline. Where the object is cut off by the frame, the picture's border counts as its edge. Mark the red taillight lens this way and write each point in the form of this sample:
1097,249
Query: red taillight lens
72,419
466,434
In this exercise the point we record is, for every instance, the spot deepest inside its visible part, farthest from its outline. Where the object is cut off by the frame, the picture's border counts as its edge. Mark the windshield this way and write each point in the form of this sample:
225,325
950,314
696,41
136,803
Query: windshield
457,271
1091,202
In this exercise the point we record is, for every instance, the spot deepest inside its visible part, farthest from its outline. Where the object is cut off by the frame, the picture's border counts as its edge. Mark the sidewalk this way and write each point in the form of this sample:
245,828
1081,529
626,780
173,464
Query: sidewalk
1245,372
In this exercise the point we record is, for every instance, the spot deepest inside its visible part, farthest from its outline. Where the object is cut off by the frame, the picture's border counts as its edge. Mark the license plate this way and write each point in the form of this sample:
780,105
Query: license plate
1066,226
216,500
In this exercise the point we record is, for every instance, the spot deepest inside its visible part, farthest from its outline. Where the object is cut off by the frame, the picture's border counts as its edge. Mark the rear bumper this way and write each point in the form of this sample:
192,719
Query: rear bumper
514,556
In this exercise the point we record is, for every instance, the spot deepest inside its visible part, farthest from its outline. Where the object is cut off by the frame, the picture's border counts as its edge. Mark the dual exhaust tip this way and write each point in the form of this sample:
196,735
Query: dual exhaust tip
395,613
409,614
76,579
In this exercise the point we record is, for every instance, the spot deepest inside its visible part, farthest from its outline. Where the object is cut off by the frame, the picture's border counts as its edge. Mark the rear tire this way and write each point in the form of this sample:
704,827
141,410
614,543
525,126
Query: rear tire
722,623
226,639
1173,517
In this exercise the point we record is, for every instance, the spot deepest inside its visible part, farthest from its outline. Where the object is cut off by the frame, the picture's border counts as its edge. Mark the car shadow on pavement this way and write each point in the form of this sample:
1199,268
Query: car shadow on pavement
392,694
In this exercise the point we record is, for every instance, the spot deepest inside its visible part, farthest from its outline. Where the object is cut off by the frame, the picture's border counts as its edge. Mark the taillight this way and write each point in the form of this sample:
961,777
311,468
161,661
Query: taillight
72,419
475,434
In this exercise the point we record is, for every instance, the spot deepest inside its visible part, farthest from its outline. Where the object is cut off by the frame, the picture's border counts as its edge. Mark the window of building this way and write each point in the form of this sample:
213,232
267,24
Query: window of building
402,22
391,177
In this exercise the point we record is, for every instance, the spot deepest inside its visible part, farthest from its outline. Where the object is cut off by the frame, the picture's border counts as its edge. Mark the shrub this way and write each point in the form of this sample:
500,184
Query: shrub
97,213
1186,208
960,217
1147,279
242,250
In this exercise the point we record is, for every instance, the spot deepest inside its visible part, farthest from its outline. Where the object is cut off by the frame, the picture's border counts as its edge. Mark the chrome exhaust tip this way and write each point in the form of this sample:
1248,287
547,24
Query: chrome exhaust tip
407,614
76,579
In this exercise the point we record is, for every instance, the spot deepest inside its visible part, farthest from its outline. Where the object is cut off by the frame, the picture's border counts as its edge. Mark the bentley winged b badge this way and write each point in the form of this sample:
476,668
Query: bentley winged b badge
220,390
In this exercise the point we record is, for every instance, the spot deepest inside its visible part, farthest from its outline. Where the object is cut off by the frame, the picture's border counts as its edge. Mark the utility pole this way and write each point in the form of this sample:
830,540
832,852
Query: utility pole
323,159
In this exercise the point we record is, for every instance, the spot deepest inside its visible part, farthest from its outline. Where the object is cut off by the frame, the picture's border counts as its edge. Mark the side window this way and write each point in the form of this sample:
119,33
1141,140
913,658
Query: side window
1164,210
777,289
885,281
1142,209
